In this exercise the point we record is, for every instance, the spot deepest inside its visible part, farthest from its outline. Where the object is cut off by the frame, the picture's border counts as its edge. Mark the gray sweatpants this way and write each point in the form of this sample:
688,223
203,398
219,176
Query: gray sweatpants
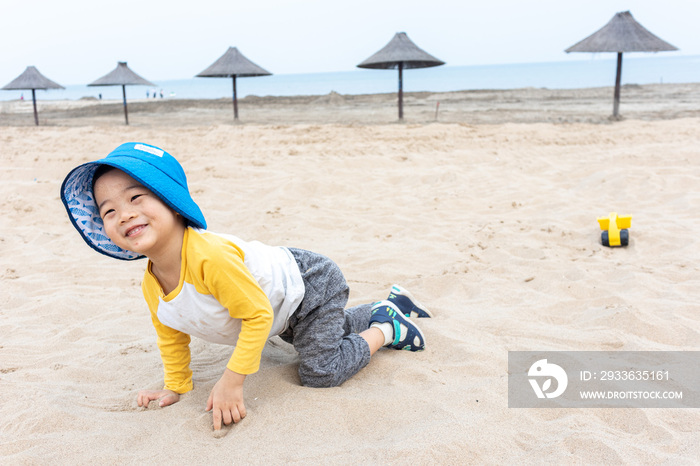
323,332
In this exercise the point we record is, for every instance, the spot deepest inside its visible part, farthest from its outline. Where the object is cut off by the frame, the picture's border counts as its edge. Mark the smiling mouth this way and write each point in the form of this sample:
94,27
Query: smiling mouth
134,230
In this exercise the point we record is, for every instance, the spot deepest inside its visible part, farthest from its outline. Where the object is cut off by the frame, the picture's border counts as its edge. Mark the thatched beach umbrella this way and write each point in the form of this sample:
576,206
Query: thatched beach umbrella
621,34
32,79
400,53
122,76
233,64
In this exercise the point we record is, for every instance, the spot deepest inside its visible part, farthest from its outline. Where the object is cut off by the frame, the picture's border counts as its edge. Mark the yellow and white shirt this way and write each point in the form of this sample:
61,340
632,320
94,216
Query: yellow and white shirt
230,292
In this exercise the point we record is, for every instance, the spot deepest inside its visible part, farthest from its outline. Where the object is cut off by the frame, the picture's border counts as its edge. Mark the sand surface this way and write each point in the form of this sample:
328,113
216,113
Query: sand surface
488,216
529,105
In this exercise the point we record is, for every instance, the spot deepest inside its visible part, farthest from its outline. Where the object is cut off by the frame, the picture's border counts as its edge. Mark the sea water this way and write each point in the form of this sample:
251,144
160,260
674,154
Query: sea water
597,71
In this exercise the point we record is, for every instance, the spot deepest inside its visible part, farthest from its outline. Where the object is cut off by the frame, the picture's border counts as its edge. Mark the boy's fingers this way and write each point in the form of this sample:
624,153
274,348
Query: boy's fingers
217,419
143,400
228,417
237,416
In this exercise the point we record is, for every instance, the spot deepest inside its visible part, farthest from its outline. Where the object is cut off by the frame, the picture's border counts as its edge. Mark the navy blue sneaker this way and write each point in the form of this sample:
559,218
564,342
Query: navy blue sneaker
409,306
407,336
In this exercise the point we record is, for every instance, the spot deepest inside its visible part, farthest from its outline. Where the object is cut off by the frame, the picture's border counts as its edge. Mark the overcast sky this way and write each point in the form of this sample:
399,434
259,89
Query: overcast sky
78,41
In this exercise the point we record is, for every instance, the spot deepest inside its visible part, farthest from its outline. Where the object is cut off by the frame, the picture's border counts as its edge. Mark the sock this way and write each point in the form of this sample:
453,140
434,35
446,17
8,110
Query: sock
387,329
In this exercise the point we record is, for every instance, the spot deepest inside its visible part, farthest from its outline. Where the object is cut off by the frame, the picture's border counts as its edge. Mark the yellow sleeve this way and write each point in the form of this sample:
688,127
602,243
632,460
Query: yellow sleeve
232,284
174,345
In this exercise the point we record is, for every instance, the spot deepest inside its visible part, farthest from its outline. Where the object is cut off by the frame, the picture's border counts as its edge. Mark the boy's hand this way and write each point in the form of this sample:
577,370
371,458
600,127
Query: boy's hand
166,397
226,399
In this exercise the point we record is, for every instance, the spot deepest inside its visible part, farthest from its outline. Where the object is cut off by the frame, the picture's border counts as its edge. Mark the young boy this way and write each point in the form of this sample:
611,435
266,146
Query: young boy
135,203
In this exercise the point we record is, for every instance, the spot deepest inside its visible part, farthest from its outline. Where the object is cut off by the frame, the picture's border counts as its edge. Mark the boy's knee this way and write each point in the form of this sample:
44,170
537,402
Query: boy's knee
318,380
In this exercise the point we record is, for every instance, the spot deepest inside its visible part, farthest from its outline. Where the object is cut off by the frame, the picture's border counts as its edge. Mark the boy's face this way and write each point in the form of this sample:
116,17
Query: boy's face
135,218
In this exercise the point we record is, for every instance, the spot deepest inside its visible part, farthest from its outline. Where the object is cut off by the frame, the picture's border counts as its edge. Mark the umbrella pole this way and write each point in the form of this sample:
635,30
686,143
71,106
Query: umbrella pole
126,112
616,102
235,100
400,90
36,116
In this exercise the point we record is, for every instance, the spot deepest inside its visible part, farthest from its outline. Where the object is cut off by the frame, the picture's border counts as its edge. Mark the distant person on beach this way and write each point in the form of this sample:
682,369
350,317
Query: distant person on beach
135,203
161,93
148,93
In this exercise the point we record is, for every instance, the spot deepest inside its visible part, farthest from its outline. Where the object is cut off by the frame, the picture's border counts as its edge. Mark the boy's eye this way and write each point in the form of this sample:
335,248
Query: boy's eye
133,198
107,213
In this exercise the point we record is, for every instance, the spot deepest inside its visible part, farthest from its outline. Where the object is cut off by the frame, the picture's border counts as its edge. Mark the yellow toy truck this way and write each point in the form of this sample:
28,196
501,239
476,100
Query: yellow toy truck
615,230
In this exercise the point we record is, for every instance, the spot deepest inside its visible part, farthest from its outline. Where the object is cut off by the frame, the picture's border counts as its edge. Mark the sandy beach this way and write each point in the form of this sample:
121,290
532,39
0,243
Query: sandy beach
487,214
528,105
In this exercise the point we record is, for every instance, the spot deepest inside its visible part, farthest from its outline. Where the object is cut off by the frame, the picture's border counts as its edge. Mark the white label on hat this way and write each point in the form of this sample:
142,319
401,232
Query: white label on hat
150,150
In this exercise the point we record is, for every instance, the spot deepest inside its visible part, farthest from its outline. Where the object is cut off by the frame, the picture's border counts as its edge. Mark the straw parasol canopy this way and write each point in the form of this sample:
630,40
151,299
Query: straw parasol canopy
122,76
233,64
400,53
32,79
622,34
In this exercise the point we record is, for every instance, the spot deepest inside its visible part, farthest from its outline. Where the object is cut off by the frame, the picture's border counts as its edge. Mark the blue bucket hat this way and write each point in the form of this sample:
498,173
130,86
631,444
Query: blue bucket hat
152,167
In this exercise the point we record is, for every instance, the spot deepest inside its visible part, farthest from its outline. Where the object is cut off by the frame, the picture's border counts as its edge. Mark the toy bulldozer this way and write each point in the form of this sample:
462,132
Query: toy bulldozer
615,230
